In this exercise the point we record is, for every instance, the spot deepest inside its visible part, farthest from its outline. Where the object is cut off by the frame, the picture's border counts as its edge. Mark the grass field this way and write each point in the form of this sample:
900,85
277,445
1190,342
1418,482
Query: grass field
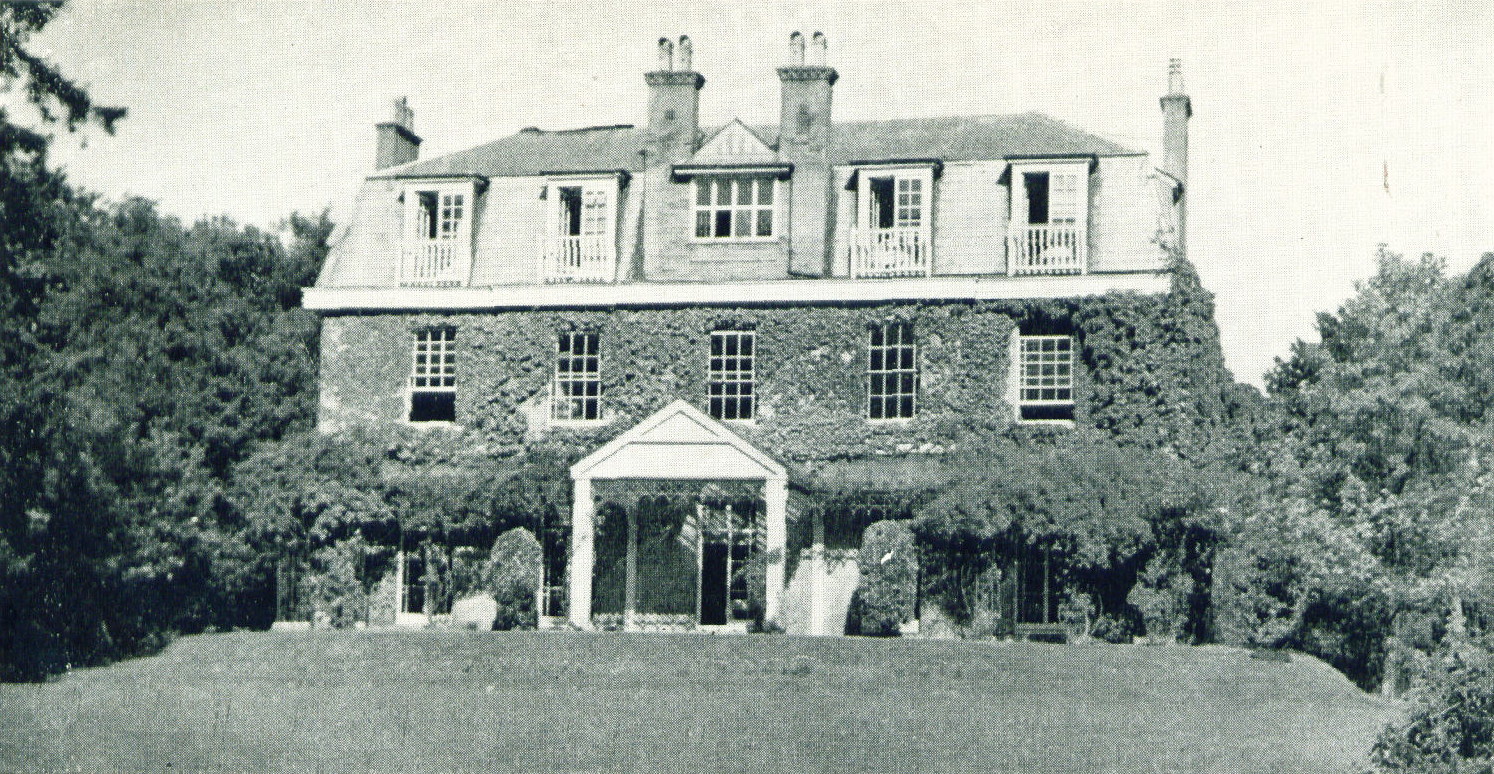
438,701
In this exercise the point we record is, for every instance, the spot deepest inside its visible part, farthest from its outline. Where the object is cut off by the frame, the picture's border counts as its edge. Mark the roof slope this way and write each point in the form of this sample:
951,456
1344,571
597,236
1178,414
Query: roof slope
957,138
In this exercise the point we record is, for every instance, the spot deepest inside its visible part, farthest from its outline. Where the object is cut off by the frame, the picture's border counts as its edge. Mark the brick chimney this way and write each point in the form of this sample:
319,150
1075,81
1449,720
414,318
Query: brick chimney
804,135
1177,108
397,141
674,102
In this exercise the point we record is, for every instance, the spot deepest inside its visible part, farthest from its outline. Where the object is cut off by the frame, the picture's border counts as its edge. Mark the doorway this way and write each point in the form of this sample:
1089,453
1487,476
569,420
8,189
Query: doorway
729,537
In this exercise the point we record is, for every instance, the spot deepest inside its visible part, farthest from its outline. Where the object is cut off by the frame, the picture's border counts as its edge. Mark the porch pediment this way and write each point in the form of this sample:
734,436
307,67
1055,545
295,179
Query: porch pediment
678,442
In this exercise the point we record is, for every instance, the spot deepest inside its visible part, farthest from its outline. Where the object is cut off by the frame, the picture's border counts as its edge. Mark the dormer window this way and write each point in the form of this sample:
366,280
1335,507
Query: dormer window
582,236
1049,217
437,246
734,207
893,236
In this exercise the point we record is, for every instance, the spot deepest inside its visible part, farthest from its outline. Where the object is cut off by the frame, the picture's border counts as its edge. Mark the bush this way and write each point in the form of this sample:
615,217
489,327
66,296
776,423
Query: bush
334,588
1161,597
514,570
755,575
1451,727
1077,612
889,575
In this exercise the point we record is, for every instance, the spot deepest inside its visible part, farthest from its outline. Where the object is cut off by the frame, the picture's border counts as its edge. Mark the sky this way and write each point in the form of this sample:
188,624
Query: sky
1320,130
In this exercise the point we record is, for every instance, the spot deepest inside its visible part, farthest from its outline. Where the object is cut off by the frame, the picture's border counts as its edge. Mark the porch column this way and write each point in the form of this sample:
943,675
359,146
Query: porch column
630,583
817,574
583,554
775,496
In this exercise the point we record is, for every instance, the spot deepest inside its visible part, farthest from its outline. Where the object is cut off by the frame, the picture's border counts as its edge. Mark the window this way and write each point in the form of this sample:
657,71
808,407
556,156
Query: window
896,202
731,378
439,214
733,207
892,372
1045,373
583,211
578,378
433,376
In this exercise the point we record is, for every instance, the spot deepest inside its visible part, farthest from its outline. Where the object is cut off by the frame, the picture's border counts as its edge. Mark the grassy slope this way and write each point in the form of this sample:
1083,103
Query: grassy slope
470,701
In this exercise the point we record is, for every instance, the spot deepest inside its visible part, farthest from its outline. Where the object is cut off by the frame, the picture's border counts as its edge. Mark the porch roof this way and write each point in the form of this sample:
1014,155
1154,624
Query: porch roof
678,442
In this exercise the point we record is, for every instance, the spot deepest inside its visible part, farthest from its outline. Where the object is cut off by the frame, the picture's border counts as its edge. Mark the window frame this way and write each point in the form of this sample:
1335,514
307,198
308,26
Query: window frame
564,375
713,208
906,182
725,378
448,221
438,341
907,343
1065,382
1075,209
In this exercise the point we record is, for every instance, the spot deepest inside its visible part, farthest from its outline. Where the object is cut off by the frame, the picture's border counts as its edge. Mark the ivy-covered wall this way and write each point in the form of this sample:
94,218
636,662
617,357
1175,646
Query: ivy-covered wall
1149,371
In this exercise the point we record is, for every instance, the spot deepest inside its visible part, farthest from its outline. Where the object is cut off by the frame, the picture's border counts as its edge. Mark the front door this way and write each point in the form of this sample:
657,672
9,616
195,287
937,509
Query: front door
728,540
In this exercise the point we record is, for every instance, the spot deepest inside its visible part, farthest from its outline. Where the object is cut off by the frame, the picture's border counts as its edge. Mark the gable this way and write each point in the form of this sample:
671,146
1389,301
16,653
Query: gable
678,442
734,144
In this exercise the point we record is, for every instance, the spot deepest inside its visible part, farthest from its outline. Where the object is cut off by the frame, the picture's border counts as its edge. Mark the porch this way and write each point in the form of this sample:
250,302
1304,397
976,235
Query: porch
666,521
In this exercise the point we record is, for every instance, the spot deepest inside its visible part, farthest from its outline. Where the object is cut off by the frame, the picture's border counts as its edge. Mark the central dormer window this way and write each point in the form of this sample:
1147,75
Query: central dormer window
437,246
733,207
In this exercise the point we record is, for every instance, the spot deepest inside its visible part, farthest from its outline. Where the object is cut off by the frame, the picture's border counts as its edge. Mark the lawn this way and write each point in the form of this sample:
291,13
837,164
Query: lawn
439,701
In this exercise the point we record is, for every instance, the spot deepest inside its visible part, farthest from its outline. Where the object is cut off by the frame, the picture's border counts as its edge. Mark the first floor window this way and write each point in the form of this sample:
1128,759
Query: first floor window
731,387
1045,373
733,207
433,376
892,372
578,377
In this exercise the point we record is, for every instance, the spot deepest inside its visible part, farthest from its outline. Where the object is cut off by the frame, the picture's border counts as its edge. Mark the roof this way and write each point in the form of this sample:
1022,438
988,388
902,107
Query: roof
958,138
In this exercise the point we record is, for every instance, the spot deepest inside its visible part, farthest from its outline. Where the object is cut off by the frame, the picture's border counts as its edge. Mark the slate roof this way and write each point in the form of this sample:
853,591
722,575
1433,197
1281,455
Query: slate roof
961,138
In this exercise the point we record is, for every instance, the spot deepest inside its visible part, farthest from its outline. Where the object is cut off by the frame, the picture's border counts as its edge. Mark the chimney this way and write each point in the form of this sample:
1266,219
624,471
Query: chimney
674,102
804,135
397,142
1177,108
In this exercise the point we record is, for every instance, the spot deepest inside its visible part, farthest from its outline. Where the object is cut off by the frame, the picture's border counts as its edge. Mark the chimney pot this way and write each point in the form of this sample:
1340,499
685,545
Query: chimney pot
686,53
817,49
796,49
1174,76
666,54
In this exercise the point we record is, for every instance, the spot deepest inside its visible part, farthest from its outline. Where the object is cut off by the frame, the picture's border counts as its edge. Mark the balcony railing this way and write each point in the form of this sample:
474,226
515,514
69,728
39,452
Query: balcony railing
580,259
433,262
1046,249
890,252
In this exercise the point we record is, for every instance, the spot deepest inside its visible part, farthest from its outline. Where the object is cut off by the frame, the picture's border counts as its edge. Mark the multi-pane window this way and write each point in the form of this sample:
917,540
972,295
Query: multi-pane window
433,376
895,202
578,377
1045,373
440,214
892,372
731,388
733,207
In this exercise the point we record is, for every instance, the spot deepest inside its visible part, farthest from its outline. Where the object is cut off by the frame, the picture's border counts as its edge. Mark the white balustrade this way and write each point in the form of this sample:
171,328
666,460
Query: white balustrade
580,259
433,262
1046,249
890,252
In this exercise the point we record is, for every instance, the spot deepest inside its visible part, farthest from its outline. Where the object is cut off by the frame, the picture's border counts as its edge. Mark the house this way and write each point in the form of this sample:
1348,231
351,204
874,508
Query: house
724,320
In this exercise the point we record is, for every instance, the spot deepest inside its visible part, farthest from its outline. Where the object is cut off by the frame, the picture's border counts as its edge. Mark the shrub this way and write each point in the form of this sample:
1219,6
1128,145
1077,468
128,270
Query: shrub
514,570
334,587
1160,596
889,574
1451,726
755,574
1077,612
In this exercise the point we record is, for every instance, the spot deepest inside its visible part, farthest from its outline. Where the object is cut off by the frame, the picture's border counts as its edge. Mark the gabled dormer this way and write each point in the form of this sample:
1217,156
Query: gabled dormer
735,187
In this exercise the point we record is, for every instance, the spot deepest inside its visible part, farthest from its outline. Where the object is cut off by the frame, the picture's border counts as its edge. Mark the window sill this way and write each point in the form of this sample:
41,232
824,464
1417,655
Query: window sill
580,424
431,424
891,420
737,422
1065,423
767,240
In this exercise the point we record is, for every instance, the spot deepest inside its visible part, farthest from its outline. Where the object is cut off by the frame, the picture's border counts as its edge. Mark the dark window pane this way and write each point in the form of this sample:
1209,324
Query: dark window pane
433,407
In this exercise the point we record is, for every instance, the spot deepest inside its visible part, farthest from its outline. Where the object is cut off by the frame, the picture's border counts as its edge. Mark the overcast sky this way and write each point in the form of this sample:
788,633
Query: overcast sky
1320,129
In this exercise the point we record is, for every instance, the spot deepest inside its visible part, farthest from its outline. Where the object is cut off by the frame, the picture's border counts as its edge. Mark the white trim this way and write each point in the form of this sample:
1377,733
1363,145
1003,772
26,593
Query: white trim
646,294
772,469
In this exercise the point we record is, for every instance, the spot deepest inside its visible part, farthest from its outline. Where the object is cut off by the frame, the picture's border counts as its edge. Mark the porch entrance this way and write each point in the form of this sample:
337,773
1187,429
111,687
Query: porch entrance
740,502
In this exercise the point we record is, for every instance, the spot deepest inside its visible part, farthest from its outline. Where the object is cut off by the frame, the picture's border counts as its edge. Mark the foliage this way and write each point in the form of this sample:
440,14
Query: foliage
1450,729
889,575
336,589
754,574
1382,465
514,579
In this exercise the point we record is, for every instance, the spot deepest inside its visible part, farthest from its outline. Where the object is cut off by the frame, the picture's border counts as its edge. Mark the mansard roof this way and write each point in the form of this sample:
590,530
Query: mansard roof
620,147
